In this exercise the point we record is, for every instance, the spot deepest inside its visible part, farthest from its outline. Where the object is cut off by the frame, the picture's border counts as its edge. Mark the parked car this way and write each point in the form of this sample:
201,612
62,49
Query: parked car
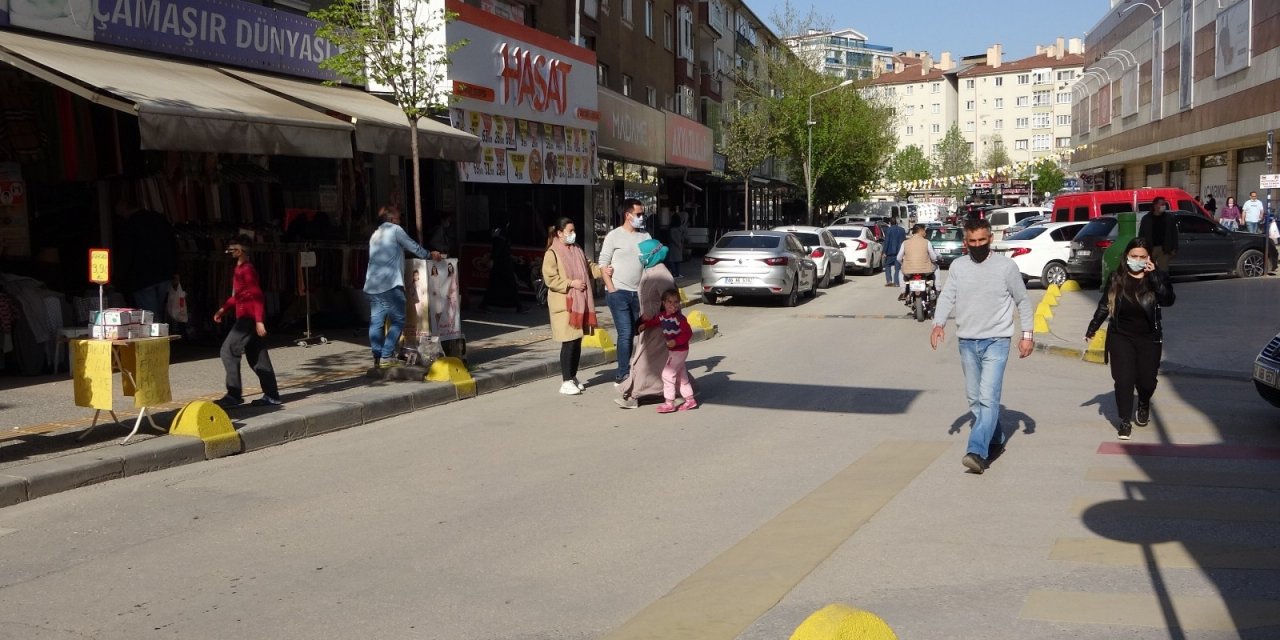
1266,372
758,263
1025,223
1005,217
861,248
1205,248
1087,205
1041,251
825,251
861,218
948,243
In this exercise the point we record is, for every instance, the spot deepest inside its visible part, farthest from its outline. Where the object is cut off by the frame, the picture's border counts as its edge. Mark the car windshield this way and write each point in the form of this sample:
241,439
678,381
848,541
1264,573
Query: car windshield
748,242
1027,234
808,239
847,233
1098,227
945,235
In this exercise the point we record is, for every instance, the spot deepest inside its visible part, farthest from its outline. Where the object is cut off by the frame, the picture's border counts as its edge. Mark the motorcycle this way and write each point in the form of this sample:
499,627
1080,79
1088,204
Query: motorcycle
922,296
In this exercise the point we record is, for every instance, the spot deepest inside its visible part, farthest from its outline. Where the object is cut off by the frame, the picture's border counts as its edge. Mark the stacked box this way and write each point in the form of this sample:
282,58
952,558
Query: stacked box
157,329
110,332
122,324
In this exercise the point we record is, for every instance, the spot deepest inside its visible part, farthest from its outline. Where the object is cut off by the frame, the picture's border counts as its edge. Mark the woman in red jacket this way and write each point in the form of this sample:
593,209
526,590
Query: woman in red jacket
247,333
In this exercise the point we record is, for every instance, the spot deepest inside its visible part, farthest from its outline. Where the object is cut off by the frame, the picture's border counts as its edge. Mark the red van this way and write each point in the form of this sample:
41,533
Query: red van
1087,205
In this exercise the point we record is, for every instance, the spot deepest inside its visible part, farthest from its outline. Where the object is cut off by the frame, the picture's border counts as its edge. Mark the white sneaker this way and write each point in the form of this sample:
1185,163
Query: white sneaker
581,387
568,388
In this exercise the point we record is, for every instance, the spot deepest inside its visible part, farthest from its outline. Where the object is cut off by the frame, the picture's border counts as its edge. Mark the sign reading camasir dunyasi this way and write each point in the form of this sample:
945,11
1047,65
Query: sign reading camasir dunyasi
229,32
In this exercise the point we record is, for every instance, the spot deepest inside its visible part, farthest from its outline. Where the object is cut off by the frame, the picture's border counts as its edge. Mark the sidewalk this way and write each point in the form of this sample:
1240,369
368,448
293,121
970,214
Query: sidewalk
1215,327
324,387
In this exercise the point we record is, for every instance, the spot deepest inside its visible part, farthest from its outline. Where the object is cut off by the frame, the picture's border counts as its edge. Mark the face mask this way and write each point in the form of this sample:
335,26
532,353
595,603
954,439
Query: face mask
1136,265
980,252
570,237
637,221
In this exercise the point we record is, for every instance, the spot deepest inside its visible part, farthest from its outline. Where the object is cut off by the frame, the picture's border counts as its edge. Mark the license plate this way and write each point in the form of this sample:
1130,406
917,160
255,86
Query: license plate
1264,375
917,285
1089,252
737,280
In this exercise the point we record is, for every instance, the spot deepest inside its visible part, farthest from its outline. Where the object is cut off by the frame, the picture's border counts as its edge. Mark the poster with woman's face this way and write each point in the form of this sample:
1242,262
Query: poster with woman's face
444,313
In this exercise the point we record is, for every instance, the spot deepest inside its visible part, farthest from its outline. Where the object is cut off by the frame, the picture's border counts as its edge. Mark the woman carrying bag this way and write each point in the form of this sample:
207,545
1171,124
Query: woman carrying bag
1131,309
570,300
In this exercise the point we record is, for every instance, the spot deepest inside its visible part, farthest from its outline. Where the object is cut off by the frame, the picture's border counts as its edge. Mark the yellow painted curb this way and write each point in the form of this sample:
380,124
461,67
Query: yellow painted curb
1096,351
1069,286
209,422
601,340
452,370
1041,324
699,319
842,622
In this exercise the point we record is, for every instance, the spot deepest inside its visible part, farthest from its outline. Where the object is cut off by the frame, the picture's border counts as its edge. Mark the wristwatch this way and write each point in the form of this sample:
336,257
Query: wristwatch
1027,335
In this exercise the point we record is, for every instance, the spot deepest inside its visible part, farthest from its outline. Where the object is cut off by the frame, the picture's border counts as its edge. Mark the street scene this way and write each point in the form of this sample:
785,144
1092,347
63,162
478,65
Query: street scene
670,320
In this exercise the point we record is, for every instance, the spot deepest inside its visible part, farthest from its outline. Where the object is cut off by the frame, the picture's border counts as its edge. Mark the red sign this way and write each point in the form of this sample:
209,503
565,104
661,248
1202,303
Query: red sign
689,144
532,78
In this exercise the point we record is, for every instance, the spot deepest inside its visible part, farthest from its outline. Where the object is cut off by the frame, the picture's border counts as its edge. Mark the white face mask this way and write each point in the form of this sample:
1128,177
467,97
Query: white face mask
570,237
637,221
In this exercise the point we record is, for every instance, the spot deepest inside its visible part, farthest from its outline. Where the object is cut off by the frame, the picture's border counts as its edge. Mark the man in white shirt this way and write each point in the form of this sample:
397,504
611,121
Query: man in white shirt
620,264
1252,210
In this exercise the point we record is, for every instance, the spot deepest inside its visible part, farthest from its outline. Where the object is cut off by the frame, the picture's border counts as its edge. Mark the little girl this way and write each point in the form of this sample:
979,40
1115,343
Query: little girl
675,328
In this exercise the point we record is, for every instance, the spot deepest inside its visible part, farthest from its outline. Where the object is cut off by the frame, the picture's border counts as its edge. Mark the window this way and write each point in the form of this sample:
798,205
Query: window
1040,121
1041,77
648,19
937,108
891,91
1022,123
1024,78
1041,99
669,102
684,101
684,32
651,97
1064,143
999,81
1064,97
626,85
935,88
968,105
910,130
911,109
935,128
668,33
626,12
969,84
999,103
1067,75
999,124
1064,121
908,89
1023,101
1041,142
602,74
968,126
934,149
1020,145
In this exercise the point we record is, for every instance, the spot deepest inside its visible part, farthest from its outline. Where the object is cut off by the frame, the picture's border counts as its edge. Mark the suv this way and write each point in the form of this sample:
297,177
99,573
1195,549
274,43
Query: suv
1266,372
1205,248
1087,205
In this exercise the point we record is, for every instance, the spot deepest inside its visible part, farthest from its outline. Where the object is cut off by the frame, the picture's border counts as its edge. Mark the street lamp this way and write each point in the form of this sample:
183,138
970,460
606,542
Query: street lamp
808,173
1131,7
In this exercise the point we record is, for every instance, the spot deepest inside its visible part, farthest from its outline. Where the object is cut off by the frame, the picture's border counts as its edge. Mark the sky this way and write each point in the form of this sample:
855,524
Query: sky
963,27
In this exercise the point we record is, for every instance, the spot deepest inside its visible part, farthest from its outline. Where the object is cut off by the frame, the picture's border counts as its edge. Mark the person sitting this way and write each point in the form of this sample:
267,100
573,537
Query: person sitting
916,257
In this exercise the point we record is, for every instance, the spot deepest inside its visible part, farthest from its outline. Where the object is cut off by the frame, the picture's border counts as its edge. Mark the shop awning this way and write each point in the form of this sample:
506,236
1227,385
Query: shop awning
181,106
380,125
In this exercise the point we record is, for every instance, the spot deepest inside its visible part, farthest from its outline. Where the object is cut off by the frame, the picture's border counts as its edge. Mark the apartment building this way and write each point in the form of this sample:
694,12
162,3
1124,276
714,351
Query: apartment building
924,93
845,53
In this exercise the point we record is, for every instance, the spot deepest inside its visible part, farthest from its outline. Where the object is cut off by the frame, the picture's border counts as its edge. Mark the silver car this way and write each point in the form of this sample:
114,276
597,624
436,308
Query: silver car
825,251
758,263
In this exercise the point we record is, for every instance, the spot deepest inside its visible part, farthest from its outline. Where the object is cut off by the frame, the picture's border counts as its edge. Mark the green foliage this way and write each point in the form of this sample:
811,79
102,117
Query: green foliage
748,141
954,158
907,165
1048,175
996,156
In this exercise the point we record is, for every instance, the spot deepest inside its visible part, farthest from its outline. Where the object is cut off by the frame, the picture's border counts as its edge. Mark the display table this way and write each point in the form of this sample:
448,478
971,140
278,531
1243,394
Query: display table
144,374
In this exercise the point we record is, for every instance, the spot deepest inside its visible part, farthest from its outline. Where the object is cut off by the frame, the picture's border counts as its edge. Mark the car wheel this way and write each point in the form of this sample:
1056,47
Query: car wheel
793,298
1054,273
844,268
826,278
1250,264
710,298
813,288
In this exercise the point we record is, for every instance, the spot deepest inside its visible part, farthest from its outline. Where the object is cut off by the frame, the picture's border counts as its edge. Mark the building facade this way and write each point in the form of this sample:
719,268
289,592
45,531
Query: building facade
845,53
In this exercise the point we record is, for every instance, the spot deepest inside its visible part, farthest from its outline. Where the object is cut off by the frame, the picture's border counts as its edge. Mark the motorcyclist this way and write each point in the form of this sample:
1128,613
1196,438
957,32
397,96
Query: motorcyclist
916,257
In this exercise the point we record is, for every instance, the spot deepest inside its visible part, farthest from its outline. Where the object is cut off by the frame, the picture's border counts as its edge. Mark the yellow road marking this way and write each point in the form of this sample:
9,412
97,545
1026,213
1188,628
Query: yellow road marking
1192,613
723,598
1168,555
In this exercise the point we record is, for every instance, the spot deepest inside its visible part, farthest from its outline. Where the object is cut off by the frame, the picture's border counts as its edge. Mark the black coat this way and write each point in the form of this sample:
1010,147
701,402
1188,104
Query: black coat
1159,283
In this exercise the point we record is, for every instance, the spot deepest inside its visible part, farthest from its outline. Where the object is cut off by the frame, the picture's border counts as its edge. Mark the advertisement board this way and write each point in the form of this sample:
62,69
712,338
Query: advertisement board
633,130
689,144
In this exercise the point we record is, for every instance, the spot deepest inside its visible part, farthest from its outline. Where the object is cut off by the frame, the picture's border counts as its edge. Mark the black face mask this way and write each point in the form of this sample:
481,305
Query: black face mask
980,252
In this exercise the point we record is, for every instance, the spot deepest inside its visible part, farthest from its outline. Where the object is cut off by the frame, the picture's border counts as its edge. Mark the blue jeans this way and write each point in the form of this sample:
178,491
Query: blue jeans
983,361
383,306
1253,226
625,308
153,298
892,272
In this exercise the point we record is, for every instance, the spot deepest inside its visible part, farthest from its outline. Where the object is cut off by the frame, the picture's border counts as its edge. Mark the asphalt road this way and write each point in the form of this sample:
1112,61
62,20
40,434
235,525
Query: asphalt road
824,466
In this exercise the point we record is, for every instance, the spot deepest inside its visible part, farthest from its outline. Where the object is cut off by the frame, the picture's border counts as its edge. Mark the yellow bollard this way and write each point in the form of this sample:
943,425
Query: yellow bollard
1097,349
684,297
209,422
452,370
1044,310
697,318
842,622
1053,290
1069,286
1041,324
601,340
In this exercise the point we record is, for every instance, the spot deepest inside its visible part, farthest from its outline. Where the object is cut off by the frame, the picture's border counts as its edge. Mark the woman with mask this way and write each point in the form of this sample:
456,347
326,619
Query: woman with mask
1131,308
644,378
570,300
1230,214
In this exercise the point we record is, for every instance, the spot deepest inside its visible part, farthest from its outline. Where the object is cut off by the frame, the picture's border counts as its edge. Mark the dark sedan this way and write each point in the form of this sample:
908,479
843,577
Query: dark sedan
948,243
1205,248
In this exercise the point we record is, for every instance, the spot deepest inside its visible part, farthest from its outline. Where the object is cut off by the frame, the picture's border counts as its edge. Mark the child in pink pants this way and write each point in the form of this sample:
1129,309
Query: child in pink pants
676,329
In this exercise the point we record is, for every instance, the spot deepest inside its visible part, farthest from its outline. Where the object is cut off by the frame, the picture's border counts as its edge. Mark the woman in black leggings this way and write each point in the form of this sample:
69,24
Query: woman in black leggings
1131,309
570,299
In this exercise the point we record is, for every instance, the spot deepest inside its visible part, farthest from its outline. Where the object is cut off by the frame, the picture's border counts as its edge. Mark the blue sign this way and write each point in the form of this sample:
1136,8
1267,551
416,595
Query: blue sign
227,32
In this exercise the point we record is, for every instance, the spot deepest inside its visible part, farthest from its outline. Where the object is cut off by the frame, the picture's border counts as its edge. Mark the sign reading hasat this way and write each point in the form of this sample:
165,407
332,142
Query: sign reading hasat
529,97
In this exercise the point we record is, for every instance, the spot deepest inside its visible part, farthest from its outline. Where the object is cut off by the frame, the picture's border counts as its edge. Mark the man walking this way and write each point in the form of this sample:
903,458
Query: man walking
248,331
384,284
1211,205
1161,231
983,290
1252,210
892,243
621,266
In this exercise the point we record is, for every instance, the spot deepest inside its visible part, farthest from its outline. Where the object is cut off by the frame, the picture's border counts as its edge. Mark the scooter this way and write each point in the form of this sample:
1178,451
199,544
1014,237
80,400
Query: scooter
922,297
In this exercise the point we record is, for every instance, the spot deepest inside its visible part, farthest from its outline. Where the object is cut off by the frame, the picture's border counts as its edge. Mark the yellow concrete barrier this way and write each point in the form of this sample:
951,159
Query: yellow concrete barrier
1097,349
1044,309
1053,290
452,370
1069,286
697,318
684,297
841,622
209,422
601,340
1051,298
1041,324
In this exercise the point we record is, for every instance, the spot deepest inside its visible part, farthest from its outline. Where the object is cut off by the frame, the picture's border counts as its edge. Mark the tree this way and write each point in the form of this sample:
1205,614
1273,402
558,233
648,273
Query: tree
393,43
1047,176
954,159
747,144
907,165
996,156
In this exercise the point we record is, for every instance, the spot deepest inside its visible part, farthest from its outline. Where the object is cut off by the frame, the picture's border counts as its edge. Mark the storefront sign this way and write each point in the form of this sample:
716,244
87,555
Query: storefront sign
223,31
100,266
689,144
518,151
633,130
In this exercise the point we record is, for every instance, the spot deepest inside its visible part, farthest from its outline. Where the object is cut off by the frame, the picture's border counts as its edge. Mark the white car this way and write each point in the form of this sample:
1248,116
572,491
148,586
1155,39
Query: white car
861,249
1005,217
823,250
1041,251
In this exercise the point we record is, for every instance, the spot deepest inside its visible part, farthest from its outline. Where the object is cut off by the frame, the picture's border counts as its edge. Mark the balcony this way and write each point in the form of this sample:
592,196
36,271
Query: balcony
686,72
711,86
707,20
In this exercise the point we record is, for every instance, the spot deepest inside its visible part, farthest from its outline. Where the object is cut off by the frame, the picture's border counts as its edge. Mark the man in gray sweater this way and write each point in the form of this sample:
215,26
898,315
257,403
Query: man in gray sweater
983,290
620,264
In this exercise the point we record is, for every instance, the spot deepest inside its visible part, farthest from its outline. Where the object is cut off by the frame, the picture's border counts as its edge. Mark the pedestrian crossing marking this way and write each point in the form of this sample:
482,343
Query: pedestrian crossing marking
1207,554
1232,511
1191,613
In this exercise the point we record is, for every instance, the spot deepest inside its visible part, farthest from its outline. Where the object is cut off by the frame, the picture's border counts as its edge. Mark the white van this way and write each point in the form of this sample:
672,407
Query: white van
1000,219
